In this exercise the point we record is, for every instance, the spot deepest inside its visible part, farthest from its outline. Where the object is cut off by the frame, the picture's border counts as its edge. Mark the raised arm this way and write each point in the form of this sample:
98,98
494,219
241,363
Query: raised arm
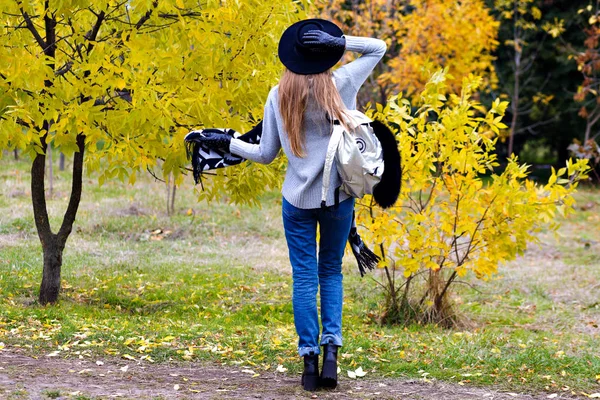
372,51
269,145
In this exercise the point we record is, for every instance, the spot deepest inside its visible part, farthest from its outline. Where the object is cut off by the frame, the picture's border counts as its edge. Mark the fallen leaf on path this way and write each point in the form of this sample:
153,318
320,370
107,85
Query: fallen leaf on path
125,368
280,368
175,387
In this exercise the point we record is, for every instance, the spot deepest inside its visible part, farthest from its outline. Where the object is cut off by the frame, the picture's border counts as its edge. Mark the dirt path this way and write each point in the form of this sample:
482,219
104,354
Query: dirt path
23,377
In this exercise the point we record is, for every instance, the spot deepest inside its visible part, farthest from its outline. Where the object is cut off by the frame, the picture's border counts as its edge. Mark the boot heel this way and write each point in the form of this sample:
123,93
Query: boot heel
329,374
310,382
310,376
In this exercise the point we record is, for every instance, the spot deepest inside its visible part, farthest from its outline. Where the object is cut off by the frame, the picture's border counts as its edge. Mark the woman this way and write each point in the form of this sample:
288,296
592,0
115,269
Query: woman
298,117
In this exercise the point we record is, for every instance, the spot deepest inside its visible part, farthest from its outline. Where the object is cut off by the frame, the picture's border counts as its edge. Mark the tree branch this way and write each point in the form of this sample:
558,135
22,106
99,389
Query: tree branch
64,69
75,198
146,16
31,27
38,193
540,123
91,36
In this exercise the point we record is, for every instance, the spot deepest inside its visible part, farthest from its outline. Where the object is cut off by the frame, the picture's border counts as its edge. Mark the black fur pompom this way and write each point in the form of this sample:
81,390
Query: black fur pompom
388,189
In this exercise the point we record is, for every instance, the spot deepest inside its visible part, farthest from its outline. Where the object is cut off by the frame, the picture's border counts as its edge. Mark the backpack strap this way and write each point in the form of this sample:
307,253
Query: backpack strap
334,141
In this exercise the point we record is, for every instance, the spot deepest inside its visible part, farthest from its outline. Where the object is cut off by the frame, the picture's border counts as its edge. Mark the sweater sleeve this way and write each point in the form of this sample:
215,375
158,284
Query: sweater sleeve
265,151
372,51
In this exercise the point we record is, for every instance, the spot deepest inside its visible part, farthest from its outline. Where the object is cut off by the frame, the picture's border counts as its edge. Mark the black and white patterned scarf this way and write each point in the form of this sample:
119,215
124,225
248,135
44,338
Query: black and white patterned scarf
205,159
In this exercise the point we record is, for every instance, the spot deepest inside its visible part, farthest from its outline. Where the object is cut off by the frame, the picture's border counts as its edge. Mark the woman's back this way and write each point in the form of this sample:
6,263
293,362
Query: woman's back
304,175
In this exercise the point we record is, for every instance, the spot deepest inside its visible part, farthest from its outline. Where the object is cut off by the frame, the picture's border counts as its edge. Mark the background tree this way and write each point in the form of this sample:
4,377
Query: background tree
588,62
422,36
122,82
523,39
546,117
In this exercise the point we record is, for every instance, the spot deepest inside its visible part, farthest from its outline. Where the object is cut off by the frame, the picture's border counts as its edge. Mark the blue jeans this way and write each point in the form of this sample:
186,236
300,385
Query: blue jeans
310,272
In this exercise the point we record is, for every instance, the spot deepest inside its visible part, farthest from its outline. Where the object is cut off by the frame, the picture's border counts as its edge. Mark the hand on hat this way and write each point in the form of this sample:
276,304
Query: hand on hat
321,41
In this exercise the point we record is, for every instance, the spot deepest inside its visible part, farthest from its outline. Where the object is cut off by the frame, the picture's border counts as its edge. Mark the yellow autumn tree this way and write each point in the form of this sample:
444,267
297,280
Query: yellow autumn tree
117,85
455,215
422,36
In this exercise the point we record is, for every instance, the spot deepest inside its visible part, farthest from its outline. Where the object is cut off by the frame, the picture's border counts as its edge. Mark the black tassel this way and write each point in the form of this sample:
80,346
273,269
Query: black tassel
365,258
191,150
196,163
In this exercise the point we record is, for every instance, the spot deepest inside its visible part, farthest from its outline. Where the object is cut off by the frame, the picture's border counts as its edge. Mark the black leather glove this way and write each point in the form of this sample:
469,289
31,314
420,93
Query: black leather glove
321,41
215,140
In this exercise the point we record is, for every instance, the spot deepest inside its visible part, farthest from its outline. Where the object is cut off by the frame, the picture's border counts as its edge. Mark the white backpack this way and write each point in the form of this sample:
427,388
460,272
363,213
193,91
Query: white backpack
358,155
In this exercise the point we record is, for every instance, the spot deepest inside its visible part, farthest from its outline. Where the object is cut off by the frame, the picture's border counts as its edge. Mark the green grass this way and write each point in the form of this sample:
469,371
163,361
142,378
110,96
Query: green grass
52,394
214,285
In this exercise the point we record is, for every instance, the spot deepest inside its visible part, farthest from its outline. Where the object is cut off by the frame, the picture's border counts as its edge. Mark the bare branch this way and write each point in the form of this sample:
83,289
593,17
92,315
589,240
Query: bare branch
176,16
540,123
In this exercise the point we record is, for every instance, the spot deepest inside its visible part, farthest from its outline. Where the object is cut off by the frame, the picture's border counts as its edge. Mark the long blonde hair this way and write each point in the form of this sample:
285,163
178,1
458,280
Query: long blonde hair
294,90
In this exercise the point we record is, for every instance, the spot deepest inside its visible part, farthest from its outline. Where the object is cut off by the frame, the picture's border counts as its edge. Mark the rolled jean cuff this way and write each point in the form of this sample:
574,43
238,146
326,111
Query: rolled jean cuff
305,351
331,339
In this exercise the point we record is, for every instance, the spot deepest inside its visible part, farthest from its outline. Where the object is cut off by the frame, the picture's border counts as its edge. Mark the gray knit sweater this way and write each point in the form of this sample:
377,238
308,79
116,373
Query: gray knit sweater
304,175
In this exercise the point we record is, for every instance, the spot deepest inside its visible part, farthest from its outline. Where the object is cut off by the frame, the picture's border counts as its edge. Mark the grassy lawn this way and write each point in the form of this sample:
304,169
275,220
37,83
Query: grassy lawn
212,283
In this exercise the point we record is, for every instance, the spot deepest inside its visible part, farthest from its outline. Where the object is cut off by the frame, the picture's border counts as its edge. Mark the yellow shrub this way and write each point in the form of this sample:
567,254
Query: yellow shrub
455,214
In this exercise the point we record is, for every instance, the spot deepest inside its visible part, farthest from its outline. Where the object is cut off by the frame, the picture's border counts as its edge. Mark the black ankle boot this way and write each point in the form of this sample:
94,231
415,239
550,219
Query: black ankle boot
310,376
329,370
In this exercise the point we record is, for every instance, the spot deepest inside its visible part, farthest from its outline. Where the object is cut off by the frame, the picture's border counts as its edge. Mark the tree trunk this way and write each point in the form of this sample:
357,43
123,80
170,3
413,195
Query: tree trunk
50,169
168,194
16,155
515,97
173,191
61,163
40,214
54,244
51,275
513,122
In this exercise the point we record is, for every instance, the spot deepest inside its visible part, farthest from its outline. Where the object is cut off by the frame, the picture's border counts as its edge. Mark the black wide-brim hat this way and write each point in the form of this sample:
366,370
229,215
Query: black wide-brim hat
301,59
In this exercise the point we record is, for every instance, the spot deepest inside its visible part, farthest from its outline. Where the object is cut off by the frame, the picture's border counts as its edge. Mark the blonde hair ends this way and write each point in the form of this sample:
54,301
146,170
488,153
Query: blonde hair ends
294,90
